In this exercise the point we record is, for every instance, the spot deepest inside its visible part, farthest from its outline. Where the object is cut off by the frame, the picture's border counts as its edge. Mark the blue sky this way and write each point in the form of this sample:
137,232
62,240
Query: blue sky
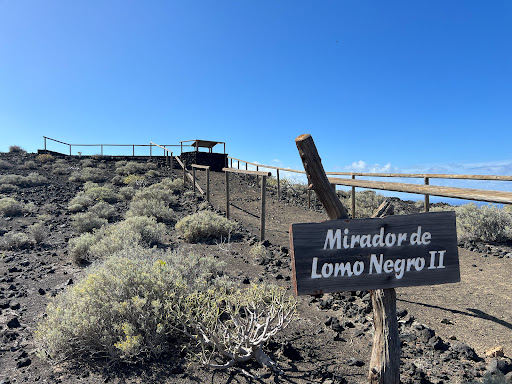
381,85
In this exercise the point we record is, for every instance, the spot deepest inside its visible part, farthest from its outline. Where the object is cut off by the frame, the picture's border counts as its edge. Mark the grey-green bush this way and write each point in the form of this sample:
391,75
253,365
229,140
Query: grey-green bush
39,232
158,209
5,165
103,210
31,180
119,311
127,192
10,207
132,167
86,222
104,242
15,240
204,225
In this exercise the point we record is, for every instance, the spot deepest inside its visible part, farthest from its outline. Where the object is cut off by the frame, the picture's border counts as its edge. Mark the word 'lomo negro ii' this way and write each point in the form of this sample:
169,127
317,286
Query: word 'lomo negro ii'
395,251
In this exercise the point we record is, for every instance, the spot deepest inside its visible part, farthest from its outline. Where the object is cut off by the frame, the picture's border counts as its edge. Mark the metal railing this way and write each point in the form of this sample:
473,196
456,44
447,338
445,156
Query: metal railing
101,146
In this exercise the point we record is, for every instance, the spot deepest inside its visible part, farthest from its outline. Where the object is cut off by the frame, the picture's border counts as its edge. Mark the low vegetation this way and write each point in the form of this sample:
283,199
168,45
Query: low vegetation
204,225
15,240
126,309
32,180
11,207
133,167
16,149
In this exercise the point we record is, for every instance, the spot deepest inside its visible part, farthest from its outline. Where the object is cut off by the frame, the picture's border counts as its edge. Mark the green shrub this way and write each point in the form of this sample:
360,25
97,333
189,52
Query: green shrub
103,210
16,149
152,174
486,223
259,252
367,203
127,192
15,240
135,180
10,207
6,188
5,165
86,222
132,167
104,242
119,311
126,308
45,158
30,164
80,202
93,174
158,209
87,163
39,232
33,179
117,180
204,225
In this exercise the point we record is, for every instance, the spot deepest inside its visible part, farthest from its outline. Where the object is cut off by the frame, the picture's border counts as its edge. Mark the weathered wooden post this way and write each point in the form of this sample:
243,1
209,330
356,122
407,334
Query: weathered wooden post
208,184
278,185
194,179
227,194
263,197
133,150
172,163
150,150
353,199
44,144
385,361
184,172
427,197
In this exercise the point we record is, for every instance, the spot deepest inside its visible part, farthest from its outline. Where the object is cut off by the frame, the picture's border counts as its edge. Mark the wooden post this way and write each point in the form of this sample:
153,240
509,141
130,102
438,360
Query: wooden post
316,176
44,144
257,177
278,185
263,197
231,163
69,149
238,164
194,179
246,170
208,184
150,150
427,197
184,173
227,195
133,150
385,360
101,149
353,199
172,163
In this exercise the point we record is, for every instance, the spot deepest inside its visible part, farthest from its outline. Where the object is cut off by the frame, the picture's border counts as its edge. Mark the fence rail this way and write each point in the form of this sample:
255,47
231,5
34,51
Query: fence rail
151,145
490,196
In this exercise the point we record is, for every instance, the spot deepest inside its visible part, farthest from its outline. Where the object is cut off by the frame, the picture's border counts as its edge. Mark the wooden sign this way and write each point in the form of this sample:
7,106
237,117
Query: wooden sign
377,253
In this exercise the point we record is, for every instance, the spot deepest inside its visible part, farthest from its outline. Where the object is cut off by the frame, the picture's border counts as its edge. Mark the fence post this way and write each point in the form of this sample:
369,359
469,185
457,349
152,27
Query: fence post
150,150
133,150
172,163
101,149
262,218
208,184
69,149
278,185
353,199
44,144
194,179
227,195
231,163
238,164
184,173
427,197
257,176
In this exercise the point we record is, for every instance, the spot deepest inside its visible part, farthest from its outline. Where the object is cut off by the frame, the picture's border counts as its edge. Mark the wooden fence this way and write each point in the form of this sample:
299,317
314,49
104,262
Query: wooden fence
490,196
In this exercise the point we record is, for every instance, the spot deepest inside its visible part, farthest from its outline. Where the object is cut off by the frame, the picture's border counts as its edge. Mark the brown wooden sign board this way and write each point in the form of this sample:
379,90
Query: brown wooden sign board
361,254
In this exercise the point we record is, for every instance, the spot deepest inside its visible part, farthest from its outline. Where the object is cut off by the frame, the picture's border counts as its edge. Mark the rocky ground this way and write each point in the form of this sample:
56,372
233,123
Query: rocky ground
330,342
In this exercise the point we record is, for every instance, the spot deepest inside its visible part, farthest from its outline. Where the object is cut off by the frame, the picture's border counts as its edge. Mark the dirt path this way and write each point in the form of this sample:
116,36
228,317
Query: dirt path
478,309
